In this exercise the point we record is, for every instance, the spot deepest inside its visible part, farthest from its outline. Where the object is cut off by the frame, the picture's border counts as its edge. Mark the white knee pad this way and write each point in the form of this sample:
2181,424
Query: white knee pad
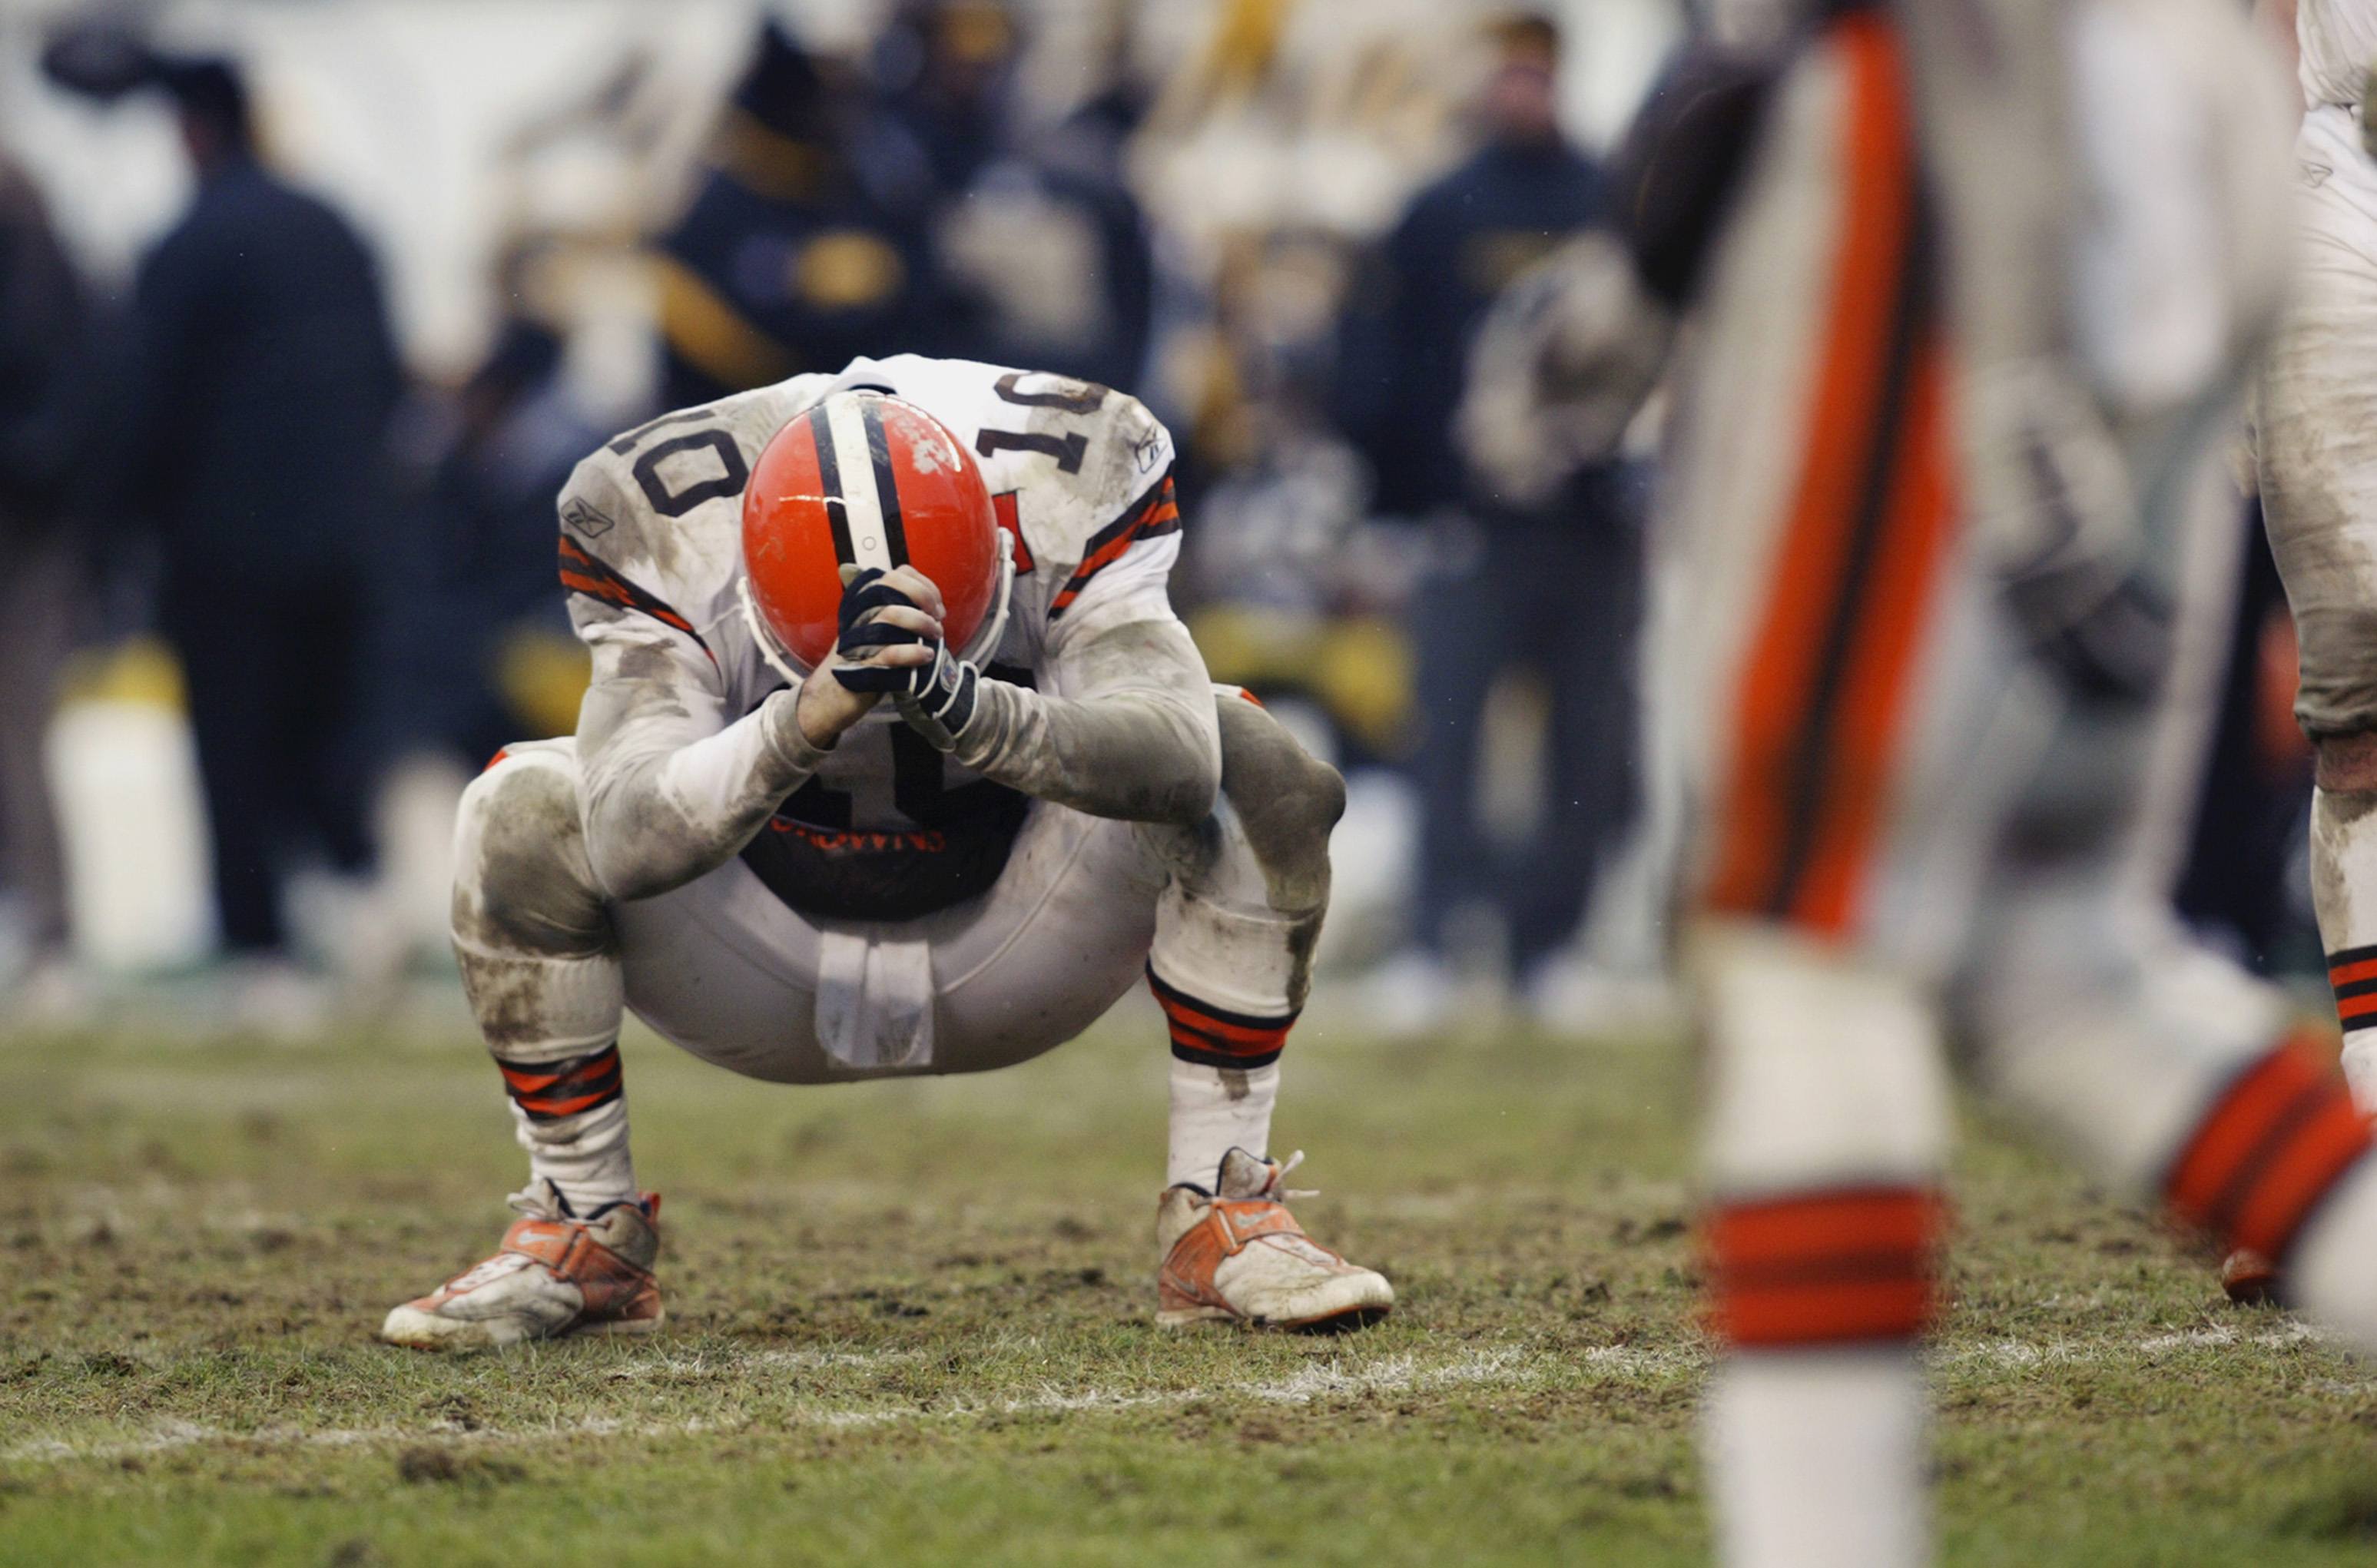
529,927
1217,936
1822,1071
523,882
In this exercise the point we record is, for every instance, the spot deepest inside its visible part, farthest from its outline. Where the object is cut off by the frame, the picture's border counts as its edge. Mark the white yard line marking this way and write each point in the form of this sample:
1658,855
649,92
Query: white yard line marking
1504,1367
1396,1374
763,1361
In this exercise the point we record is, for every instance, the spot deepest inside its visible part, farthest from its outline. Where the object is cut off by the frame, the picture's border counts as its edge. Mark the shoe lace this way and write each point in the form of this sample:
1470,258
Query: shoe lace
540,1200
1279,1194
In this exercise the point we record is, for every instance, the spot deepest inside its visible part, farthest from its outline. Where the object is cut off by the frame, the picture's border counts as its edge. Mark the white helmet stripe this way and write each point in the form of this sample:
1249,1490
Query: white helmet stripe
869,544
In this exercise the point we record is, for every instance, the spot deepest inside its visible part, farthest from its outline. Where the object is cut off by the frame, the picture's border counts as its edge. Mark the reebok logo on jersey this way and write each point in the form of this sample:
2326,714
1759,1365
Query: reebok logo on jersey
586,519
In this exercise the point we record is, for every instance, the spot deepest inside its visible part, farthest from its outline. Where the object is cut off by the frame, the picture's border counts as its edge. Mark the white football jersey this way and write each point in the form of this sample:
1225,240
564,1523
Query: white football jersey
2338,38
652,538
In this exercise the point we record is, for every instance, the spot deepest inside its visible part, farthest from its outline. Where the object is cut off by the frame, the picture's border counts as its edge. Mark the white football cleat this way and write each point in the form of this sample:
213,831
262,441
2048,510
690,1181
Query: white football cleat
555,1274
1237,1255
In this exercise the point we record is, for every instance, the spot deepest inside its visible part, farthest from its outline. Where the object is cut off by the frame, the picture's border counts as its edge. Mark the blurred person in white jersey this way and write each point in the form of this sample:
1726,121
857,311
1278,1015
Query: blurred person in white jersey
795,880
1929,674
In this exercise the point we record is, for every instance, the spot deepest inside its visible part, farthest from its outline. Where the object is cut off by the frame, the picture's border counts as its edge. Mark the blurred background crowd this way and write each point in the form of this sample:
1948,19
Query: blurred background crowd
308,306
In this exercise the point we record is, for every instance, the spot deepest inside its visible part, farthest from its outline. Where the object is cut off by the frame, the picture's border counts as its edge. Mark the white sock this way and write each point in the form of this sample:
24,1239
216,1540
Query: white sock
585,1155
1214,1111
2343,891
1816,1458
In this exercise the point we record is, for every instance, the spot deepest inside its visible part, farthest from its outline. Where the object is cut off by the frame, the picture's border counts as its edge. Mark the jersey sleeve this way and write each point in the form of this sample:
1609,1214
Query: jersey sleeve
1125,566
605,563
674,780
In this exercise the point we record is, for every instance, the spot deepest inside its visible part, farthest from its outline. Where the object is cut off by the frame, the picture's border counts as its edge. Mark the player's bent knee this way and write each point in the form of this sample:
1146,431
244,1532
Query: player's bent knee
1288,800
520,873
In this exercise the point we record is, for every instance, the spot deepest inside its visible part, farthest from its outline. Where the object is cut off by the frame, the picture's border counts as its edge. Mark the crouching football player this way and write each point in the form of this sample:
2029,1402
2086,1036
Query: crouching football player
896,760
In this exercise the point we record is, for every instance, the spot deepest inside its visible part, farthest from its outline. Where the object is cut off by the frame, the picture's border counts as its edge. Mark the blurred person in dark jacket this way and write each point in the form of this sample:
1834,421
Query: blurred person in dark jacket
806,244
496,661
1550,585
255,414
946,69
1043,249
1461,242
42,413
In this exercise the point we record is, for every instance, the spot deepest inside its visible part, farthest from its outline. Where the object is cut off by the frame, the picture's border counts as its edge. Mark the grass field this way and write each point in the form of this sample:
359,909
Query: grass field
909,1324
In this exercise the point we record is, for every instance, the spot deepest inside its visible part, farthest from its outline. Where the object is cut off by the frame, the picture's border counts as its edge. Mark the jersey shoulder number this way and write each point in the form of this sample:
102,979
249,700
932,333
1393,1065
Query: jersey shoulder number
651,520
1073,463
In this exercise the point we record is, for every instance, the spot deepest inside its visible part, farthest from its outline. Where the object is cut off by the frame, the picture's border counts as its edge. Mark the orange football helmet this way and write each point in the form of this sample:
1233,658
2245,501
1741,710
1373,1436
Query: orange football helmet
865,480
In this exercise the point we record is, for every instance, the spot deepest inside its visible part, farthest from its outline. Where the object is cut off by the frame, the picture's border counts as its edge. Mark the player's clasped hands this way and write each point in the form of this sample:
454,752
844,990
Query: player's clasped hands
891,631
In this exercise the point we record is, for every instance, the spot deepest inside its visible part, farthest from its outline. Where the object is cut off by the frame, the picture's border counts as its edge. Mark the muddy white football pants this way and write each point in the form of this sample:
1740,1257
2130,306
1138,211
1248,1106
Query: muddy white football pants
1220,919
2316,434
1917,827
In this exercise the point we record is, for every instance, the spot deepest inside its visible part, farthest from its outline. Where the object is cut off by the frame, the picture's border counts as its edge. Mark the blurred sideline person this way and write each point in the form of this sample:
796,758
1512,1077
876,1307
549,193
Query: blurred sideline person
42,343
793,880
1043,253
487,653
807,240
1936,671
254,413
2317,443
1548,586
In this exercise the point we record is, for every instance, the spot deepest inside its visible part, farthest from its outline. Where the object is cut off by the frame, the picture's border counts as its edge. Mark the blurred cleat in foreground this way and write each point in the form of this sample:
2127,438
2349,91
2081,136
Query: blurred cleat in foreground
2249,1278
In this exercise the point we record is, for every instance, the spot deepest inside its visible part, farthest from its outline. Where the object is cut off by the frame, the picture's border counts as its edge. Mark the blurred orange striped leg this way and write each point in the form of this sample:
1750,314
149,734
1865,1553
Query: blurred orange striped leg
2279,1142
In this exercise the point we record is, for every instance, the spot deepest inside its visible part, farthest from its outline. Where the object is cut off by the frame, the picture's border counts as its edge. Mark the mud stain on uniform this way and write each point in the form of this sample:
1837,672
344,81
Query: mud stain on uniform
1136,747
530,890
1287,801
2336,815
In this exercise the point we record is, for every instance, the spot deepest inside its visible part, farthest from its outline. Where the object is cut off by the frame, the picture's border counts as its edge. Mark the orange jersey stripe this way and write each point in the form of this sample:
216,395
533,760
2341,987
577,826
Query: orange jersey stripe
1156,513
1876,223
1104,555
1900,598
582,573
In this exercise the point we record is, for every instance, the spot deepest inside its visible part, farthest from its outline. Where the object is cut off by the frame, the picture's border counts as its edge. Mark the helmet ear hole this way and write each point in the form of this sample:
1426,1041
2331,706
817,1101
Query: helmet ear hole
860,481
